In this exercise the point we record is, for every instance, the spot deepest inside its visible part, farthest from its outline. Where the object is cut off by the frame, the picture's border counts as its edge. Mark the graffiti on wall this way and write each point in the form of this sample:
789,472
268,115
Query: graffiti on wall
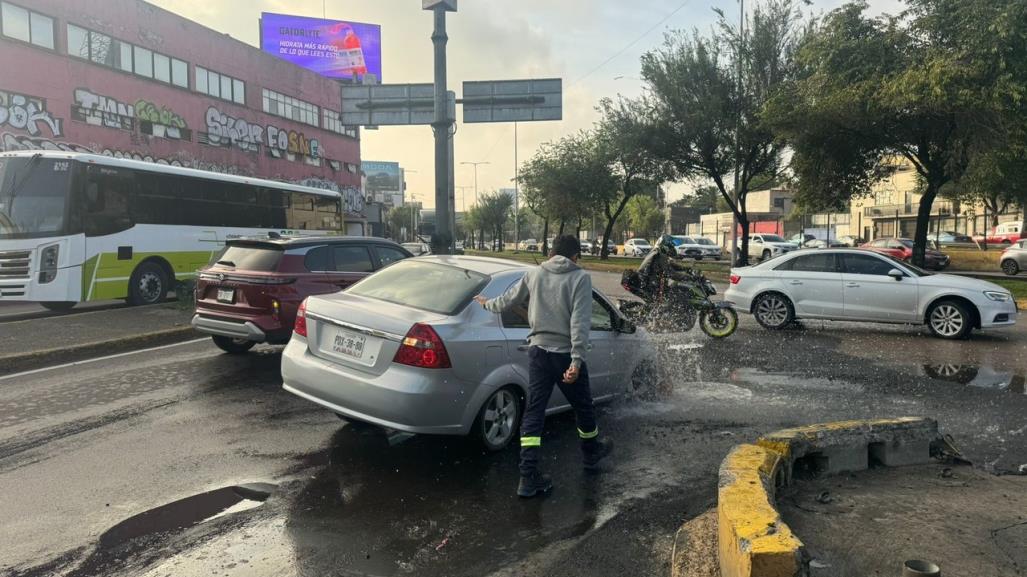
27,113
158,115
225,129
100,110
352,198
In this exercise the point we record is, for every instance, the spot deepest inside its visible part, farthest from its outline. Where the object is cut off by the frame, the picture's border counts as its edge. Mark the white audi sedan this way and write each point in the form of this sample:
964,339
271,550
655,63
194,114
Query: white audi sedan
407,349
861,285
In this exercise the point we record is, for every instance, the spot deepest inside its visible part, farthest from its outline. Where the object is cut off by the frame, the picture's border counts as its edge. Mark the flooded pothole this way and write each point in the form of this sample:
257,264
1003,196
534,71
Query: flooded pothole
982,376
120,544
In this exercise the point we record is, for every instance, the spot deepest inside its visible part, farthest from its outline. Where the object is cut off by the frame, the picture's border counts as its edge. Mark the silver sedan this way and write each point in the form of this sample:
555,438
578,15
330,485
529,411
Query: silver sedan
405,349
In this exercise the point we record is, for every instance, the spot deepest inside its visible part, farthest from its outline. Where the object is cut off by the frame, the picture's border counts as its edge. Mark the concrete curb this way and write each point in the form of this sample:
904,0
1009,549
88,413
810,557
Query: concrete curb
753,540
17,363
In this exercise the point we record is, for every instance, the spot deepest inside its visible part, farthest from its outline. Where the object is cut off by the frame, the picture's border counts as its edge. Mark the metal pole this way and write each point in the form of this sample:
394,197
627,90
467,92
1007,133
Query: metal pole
442,240
517,228
738,152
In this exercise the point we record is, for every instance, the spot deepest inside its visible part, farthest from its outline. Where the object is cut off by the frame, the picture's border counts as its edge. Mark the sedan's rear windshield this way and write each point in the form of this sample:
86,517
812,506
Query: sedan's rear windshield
254,258
433,287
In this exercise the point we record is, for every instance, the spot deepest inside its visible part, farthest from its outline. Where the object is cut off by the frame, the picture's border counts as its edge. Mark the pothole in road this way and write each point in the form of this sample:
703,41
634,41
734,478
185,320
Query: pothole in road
121,543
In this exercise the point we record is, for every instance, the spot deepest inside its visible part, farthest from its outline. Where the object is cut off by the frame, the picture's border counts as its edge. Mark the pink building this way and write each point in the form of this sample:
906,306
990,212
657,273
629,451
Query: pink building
128,79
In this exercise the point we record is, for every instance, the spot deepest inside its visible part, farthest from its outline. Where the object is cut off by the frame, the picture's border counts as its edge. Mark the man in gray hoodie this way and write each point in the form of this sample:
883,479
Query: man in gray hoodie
559,295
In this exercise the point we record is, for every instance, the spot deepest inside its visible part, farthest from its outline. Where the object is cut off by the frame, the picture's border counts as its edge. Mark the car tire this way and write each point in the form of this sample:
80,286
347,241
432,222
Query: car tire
1009,266
59,306
949,319
766,255
232,346
498,420
645,379
1006,241
148,284
773,311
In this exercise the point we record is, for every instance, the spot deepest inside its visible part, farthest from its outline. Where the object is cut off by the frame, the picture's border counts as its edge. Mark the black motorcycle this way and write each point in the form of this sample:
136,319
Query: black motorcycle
677,305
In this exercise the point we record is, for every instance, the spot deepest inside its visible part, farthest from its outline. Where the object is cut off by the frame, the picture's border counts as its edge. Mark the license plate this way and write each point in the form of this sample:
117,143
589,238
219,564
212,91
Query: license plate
349,344
226,296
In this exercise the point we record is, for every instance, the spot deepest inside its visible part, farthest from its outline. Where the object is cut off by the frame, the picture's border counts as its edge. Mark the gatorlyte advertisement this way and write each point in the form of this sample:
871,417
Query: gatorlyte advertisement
333,48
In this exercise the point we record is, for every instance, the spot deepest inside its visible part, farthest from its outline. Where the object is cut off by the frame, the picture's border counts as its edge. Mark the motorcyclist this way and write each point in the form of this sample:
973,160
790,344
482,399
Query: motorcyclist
658,268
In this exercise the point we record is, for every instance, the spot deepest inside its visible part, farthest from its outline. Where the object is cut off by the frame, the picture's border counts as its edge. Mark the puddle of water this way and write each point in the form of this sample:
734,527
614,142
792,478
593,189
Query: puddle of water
982,376
133,535
765,378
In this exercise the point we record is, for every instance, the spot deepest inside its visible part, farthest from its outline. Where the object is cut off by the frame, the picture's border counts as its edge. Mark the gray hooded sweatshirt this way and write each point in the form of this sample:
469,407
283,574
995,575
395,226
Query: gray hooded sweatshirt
559,307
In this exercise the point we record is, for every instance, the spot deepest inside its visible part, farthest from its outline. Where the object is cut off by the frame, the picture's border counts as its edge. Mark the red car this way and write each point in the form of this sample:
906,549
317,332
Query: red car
1005,233
902,249
250,293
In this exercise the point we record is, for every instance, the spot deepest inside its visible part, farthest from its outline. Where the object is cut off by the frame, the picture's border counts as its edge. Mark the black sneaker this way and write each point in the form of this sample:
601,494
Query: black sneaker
533,485
594,452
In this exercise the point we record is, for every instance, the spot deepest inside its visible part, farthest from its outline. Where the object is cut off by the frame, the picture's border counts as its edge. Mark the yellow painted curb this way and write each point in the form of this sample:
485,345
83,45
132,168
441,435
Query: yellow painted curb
753,540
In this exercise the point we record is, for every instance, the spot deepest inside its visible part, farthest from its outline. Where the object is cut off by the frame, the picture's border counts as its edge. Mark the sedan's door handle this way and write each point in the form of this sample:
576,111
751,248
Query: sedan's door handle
796,282
851,285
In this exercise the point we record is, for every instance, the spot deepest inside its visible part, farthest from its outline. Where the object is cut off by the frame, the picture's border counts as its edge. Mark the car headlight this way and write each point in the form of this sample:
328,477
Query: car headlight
998,296
48,263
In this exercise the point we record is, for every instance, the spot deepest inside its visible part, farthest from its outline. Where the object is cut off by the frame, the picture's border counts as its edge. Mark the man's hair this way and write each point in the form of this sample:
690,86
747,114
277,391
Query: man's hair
566,245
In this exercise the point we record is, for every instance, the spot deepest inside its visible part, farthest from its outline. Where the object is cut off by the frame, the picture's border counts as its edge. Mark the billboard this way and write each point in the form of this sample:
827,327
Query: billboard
382,176
333,48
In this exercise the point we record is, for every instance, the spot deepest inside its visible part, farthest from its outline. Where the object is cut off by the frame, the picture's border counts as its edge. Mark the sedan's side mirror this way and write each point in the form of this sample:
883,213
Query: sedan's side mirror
625,326
896,274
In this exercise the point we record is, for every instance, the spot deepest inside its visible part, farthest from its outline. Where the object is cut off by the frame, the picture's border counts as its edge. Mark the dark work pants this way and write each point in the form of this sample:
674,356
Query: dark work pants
544,371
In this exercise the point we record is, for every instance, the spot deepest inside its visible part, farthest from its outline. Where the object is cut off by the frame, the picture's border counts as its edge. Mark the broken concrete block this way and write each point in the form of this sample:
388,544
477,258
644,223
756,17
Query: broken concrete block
901,453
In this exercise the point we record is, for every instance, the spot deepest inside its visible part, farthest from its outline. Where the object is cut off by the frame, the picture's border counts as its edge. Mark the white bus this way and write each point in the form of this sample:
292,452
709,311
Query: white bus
82,227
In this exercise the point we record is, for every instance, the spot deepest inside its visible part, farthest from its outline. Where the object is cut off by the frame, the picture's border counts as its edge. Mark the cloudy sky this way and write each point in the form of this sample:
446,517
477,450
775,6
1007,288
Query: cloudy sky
594,45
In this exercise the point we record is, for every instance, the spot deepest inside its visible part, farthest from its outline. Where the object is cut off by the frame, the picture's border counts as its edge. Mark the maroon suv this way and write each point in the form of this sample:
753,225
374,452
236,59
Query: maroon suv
250,293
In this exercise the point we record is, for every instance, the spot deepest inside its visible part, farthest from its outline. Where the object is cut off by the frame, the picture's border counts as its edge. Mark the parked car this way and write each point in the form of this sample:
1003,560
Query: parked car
417,248
696,247
637,247
530,245
800,239
1004,233
458,247
407,349
850,240
768,246
949,237
1014,258
860,285
587,246
902,249
250,292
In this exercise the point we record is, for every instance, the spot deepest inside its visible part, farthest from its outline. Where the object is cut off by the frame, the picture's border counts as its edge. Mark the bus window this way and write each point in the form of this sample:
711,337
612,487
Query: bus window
108,199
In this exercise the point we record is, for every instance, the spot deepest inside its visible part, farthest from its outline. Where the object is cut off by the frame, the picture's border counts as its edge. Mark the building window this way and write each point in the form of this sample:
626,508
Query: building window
332,121
220,86
113,53
25,25
291,108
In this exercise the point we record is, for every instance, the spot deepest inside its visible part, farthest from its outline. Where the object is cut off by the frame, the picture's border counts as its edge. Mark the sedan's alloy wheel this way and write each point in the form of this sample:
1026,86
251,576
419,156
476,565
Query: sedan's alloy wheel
500,417
772,310
947,320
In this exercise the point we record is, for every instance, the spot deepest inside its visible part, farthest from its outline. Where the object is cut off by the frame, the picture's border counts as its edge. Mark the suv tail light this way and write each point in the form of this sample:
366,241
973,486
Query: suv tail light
301,320
735,279
422,348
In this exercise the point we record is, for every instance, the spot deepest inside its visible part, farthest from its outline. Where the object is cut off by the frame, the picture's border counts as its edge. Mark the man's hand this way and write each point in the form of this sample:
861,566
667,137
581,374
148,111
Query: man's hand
570,376
481,300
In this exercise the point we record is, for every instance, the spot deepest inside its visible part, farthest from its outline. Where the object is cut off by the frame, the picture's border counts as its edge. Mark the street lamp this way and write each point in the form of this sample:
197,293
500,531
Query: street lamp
475,165
413,218
463,197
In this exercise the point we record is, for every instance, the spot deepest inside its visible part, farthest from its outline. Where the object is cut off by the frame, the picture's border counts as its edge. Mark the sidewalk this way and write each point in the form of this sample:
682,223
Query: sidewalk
869,523
29,344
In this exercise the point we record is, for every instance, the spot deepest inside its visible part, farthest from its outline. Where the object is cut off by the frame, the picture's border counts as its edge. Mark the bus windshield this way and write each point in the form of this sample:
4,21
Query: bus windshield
33,193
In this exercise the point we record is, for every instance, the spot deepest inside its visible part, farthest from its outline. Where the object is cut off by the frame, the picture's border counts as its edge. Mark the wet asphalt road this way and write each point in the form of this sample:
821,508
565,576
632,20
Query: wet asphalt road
121,467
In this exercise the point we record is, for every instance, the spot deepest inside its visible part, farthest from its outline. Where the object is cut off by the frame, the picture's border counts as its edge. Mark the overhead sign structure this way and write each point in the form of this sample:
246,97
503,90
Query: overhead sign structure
513,100
447,5
391,104
333,48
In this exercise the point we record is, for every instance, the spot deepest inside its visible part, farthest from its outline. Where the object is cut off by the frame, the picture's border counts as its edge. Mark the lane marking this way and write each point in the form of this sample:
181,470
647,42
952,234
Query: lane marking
87,361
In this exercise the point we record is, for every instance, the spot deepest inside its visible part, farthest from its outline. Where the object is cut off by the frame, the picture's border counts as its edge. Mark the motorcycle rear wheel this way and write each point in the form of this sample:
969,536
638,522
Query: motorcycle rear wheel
718,323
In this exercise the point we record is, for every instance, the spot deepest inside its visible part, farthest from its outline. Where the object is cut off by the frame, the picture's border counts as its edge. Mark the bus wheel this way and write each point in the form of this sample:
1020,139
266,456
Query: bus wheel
59,306
148,285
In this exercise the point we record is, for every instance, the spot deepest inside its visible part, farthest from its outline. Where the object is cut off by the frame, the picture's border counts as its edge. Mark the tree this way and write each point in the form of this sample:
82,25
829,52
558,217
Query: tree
695,91
940,85
645,217
399,218
705,199
624,133
495,209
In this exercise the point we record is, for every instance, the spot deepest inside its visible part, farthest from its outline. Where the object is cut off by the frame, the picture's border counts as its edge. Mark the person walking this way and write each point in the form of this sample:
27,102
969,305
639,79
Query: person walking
559,296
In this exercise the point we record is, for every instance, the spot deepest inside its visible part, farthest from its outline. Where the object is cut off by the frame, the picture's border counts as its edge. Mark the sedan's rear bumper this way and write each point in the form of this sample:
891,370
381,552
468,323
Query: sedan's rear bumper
403,398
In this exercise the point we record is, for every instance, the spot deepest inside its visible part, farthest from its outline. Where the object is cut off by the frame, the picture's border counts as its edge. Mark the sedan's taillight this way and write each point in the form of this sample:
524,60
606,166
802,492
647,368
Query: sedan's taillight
422,348
735,279
300,327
